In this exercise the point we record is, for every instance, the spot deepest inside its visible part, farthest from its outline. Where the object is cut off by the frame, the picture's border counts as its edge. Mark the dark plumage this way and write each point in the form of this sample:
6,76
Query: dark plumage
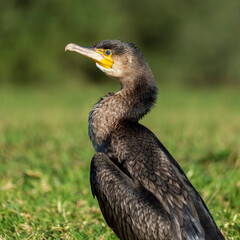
142,191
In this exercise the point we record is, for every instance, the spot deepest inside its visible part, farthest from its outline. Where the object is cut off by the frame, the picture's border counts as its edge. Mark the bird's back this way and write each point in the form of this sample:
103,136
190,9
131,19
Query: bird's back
158,179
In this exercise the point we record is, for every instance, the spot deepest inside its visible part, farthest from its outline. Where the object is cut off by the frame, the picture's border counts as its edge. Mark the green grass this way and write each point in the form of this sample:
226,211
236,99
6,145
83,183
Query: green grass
45,155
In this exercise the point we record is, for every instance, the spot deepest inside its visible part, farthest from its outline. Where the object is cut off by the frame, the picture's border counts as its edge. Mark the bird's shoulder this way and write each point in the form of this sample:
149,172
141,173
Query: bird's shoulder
147,161
149,164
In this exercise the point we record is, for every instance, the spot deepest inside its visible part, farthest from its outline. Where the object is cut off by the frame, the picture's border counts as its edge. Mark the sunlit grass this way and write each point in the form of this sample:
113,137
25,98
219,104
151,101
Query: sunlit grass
45,155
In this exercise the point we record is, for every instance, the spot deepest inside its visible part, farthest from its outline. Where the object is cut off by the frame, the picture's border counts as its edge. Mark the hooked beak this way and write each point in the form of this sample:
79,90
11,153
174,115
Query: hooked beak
95,54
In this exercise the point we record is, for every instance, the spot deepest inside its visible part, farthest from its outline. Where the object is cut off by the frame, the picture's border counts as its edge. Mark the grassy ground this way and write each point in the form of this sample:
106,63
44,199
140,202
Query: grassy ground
45,155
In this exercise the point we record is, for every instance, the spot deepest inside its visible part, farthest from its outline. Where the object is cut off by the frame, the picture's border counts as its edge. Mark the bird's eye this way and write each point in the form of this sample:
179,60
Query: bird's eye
108,52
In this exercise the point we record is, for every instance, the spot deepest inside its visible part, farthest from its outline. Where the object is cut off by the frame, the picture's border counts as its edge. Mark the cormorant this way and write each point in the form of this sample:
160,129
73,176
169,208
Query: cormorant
142,191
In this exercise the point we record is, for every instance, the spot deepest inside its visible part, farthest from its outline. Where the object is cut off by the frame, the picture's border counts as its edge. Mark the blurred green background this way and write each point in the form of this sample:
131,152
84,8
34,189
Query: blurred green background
185,42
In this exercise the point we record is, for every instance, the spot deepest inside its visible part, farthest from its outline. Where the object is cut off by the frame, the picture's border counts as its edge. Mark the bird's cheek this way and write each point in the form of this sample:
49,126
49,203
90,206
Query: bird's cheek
117,70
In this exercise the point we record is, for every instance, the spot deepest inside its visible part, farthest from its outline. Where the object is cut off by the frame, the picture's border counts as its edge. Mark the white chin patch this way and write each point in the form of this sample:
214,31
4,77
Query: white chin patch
102,68
110,72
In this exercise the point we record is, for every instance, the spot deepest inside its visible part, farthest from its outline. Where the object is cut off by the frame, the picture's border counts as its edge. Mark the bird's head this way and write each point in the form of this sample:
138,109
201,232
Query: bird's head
115,58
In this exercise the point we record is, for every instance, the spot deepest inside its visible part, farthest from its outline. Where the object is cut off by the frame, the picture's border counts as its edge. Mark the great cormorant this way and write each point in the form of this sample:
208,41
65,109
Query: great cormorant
142,191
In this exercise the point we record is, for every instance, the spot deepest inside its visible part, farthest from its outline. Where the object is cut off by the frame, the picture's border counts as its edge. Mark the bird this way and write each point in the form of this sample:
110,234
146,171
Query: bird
142,191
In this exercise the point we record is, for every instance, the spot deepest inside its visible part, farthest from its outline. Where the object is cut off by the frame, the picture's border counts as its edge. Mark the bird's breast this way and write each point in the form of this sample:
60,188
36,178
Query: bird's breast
101,125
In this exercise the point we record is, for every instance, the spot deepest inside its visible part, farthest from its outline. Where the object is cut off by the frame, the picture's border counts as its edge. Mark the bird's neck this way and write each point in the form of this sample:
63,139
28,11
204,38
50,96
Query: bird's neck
129,104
